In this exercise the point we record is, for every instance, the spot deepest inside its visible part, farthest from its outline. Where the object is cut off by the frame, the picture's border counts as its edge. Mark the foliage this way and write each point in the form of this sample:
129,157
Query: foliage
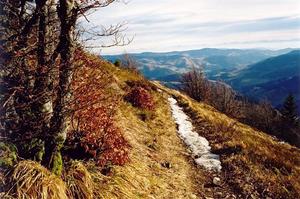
261,116
94,128
216,93
100,138
140,97
117,63
290,121
194,84
130,63
38,44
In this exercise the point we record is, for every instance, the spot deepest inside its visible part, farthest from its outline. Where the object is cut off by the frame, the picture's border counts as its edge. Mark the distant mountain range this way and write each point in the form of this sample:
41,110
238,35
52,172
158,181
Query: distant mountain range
271,79
257,73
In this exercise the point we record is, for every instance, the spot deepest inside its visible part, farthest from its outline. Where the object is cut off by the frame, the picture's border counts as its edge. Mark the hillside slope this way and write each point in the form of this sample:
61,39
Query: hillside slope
271,79
253,163
160,165
275,68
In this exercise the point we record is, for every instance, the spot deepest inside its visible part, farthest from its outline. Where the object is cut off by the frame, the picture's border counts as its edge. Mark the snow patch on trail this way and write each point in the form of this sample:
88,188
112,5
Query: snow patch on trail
198,145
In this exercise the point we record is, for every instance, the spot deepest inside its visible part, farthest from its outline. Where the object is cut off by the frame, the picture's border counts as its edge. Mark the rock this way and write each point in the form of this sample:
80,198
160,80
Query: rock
166,165
217,181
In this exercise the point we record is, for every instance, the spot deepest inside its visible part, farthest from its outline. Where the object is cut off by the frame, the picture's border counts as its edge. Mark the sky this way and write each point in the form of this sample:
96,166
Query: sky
174,25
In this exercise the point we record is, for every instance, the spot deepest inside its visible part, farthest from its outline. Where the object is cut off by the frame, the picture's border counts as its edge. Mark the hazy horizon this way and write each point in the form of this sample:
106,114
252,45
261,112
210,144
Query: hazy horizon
139,52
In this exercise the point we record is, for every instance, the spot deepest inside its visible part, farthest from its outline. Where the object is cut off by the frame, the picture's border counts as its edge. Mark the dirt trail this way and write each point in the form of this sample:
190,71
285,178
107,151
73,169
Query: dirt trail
199,146
213,182
160,165
215,185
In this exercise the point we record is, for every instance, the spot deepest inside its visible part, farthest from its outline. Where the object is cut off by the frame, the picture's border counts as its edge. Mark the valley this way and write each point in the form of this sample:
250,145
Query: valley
255,73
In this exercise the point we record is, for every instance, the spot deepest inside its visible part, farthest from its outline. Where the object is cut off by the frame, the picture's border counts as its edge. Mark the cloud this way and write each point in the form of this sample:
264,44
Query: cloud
163,25
275,24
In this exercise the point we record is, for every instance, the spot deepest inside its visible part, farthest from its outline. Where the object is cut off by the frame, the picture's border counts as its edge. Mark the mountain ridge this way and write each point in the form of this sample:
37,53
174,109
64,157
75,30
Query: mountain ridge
223,64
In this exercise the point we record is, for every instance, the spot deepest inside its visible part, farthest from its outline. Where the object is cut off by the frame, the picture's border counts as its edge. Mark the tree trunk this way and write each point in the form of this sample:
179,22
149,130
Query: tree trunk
43,106
60,119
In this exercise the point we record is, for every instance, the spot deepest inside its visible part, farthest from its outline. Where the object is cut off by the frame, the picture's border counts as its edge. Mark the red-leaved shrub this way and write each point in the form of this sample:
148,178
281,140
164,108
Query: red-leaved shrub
94,129
140,97
100,138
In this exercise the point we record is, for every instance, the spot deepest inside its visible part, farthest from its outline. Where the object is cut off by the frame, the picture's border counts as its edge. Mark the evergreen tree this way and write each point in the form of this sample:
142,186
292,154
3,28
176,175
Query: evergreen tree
289,112
117,63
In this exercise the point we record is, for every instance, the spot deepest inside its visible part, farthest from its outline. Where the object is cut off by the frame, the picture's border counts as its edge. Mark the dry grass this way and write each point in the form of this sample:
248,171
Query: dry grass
254,163
79,181
33,181
154,144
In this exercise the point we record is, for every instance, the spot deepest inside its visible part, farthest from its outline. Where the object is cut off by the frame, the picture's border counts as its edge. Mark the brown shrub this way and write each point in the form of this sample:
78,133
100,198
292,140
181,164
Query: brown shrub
195,85
99,138
95,134
130,63
140,97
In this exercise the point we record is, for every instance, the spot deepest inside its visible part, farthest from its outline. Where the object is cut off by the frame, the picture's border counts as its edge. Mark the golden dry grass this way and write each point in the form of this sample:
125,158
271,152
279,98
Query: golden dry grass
32,181
79,181
257,164
154,144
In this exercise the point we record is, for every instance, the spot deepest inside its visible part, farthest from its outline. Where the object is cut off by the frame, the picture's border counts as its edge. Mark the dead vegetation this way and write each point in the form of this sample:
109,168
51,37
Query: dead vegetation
254,163
154,145
30,180
283,123
79,181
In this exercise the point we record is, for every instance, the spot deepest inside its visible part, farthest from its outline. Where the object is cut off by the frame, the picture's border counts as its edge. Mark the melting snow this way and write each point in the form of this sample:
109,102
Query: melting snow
198,145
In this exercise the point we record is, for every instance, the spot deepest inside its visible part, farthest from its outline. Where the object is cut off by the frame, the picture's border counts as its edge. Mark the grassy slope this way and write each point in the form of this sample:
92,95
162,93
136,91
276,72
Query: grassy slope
254,163
153,143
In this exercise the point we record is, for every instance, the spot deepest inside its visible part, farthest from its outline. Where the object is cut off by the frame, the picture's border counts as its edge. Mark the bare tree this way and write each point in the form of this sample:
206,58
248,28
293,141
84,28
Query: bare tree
37,67
194,84
129,62
262,116
223,97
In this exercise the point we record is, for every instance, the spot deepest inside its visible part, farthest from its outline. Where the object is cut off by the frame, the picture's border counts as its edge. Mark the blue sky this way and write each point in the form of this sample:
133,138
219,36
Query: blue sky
167,25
